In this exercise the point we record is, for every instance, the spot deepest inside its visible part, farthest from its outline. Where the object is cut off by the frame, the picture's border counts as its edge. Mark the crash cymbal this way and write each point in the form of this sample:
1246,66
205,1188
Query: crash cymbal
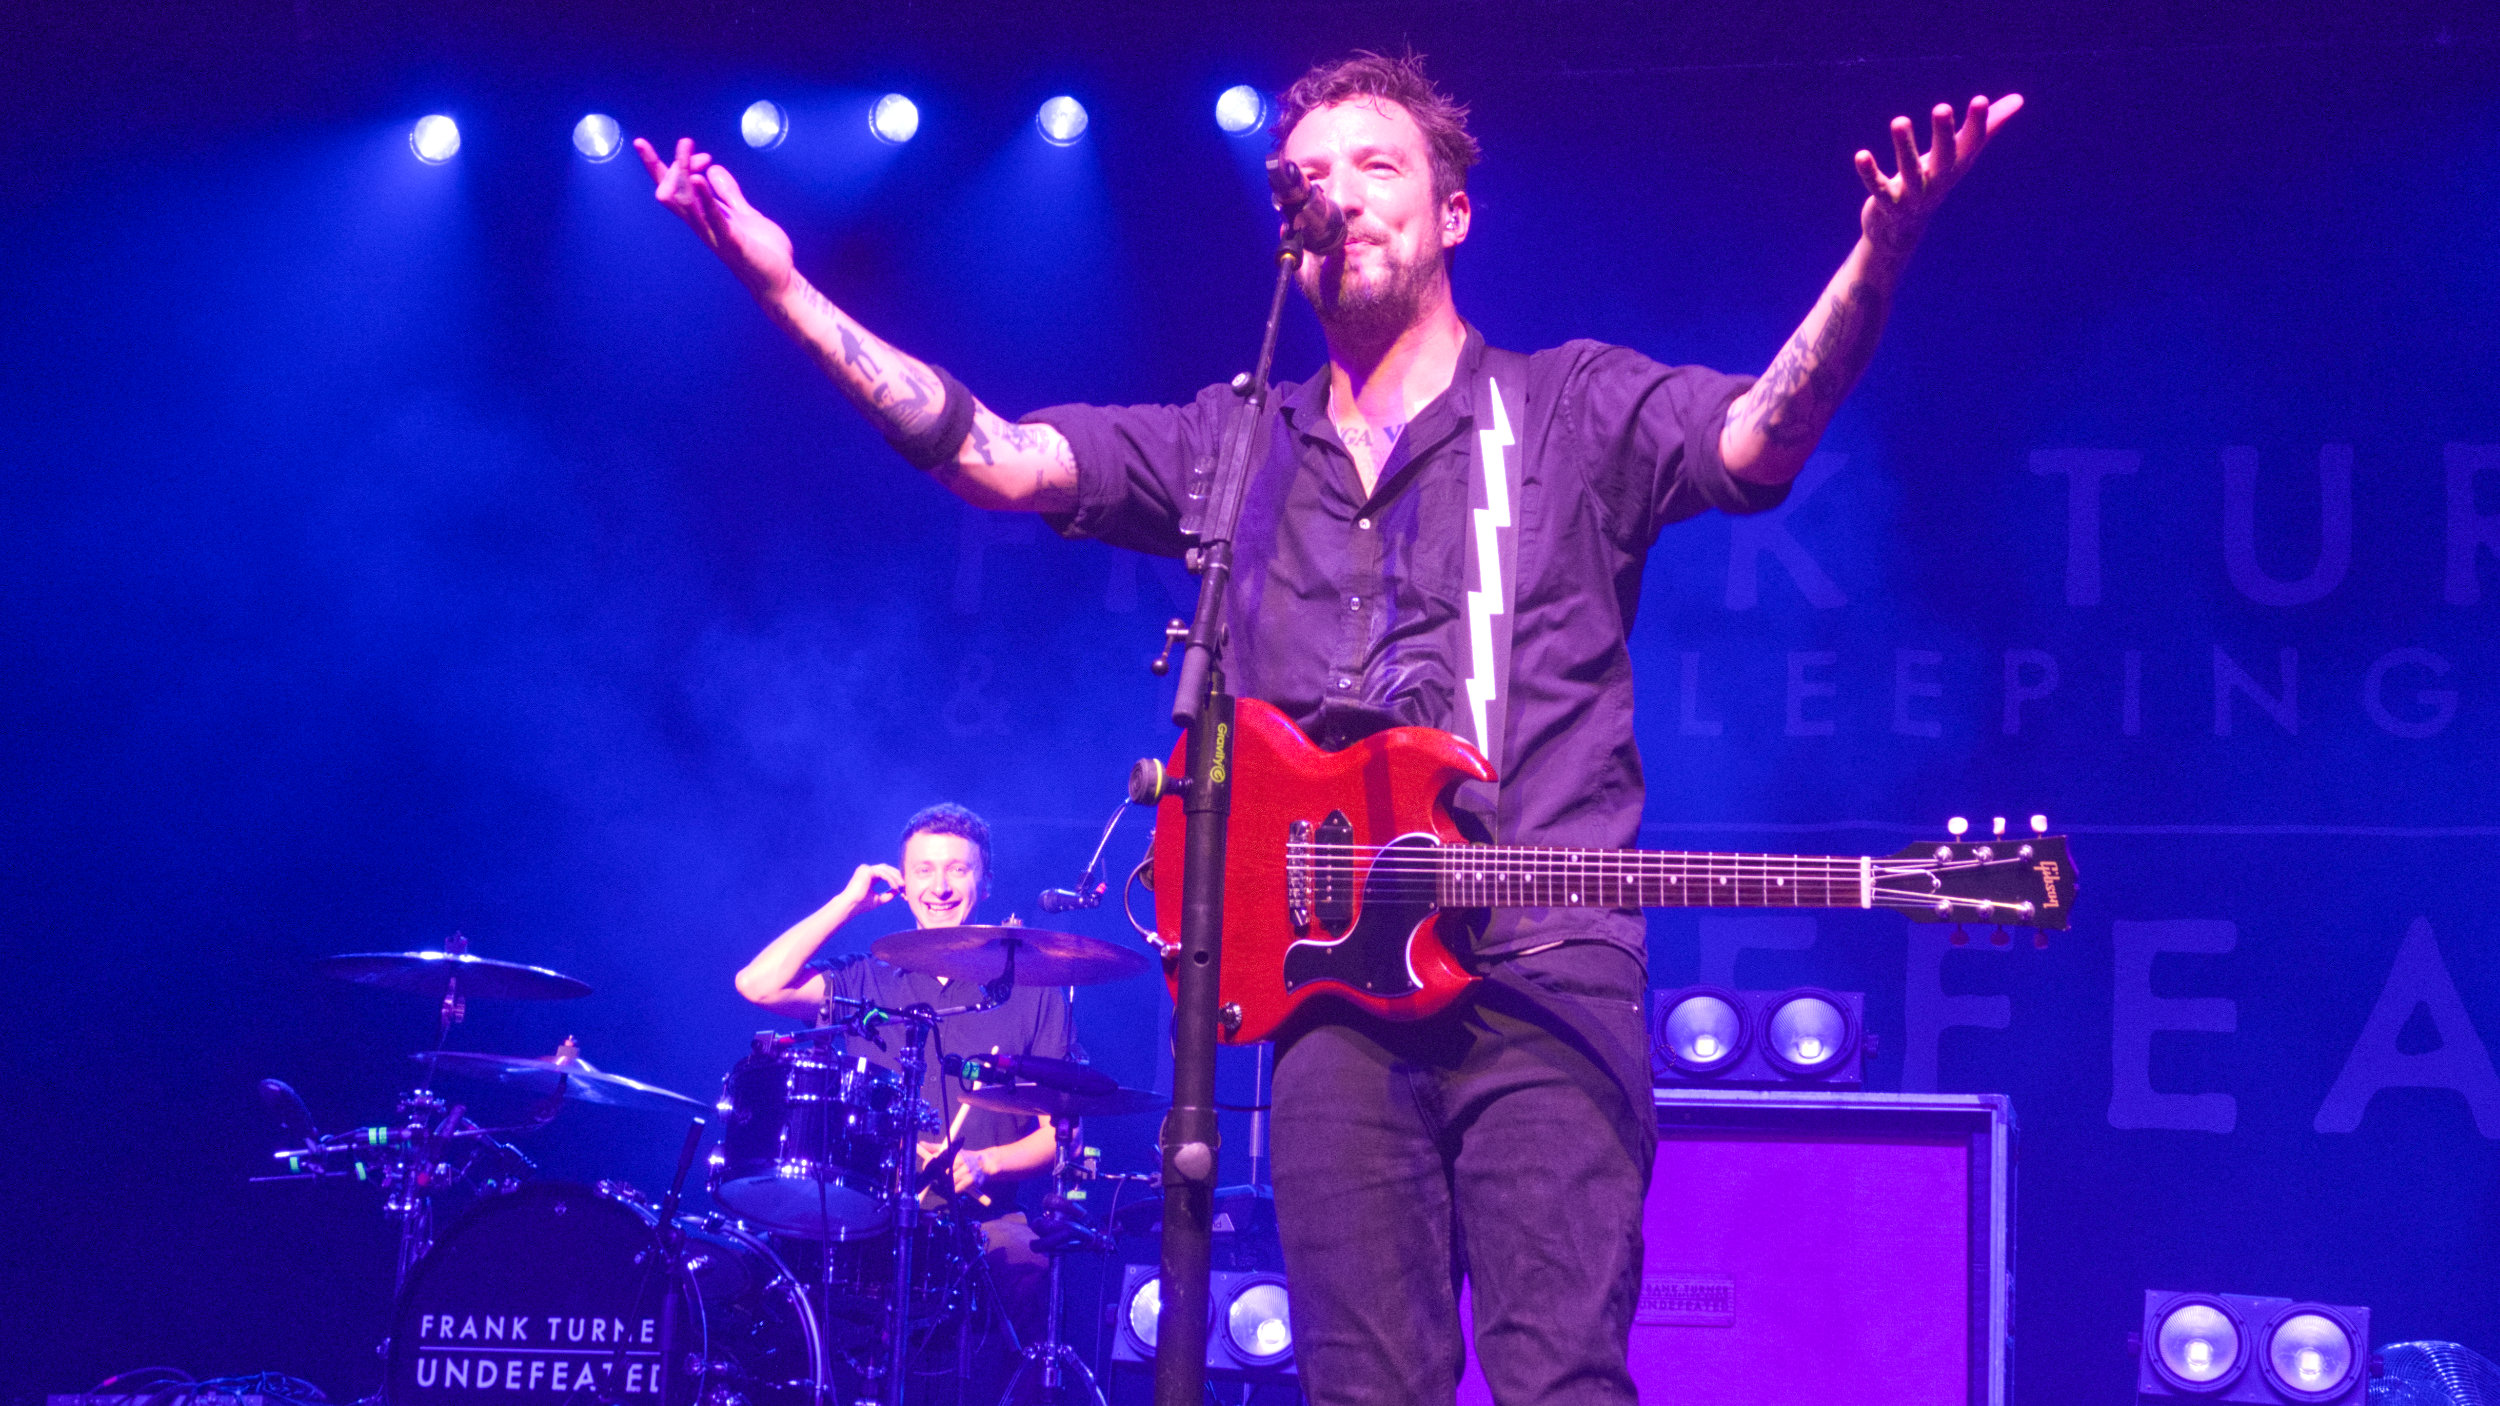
431,973
1041,1101
978,954
568,1075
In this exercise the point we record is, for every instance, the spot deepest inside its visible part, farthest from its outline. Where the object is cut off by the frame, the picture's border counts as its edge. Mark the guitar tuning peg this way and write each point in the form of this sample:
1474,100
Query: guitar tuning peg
2039,824
1957,827
2000,938
2040,938
1960,938
1998,825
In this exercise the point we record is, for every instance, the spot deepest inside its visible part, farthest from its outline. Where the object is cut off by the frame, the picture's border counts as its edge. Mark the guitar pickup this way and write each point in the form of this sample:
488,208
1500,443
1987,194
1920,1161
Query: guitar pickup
1298,875
1332,874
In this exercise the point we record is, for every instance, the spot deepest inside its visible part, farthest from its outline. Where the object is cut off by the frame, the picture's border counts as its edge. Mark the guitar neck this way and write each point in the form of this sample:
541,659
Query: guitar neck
1530,876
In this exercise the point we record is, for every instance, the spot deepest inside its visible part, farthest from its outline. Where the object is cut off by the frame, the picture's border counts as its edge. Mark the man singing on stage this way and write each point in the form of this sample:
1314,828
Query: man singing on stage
1507,1140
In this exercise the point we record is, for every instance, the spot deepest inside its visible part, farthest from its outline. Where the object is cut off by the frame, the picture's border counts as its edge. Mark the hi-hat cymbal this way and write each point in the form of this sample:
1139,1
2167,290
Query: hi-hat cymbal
979,954
1042,1101
431,973
573,1077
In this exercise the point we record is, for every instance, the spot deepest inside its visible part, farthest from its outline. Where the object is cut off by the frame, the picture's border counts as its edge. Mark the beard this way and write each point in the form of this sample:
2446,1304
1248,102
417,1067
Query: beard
1370,310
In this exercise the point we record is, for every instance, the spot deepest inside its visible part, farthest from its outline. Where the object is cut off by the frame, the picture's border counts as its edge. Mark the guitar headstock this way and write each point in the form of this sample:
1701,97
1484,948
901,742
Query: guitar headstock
2016,882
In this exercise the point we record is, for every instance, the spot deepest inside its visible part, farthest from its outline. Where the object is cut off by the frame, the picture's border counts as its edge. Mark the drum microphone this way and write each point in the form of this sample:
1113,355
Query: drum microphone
1090,885
1065,1075
1307,210
287,1107
1070,900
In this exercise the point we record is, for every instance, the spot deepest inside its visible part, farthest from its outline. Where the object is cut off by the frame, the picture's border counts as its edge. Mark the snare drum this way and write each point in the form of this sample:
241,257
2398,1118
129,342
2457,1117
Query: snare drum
557,1294
809,1140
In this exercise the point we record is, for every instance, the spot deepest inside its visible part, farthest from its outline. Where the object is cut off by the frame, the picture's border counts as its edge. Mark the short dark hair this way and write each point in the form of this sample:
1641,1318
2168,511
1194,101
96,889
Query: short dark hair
948,818
1364,74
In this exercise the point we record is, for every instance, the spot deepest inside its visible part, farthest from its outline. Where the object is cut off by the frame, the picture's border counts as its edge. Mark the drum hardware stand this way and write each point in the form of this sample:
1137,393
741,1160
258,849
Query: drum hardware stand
1051,1356
913,1060
671,1241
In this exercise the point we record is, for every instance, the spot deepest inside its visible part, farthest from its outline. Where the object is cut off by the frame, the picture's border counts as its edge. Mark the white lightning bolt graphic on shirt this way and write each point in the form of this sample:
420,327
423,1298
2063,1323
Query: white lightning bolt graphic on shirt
1491,521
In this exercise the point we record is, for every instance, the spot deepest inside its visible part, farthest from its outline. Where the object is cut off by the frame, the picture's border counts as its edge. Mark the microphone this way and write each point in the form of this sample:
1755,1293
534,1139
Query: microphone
1066,1075
287,1107
1307,210
1070,900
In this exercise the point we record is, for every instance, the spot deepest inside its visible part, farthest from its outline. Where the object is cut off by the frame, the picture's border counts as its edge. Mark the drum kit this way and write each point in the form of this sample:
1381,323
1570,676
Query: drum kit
834,1268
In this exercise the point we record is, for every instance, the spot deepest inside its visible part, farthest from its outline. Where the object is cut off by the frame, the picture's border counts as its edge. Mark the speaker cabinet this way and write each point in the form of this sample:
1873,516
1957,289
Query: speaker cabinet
1821,1248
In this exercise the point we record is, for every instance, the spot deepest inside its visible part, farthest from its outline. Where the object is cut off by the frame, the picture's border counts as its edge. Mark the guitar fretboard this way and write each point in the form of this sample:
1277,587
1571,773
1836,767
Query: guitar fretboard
1522,876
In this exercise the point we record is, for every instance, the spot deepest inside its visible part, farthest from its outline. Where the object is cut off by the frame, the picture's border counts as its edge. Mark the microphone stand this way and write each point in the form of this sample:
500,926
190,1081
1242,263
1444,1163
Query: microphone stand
1203,707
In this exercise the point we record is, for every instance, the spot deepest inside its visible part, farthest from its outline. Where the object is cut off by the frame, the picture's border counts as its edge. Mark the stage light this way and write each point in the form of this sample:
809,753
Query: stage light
1143,1313
1241,109
435,139
597,137
1062,120
2309,1352
764,125
1759,1039
895,119
1259,1323
1250,1327
1702,1032
1807,1033
2196,1345
2244,1348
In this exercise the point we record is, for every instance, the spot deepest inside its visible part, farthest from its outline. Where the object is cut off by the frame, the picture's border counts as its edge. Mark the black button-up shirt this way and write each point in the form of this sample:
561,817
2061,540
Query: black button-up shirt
1348,610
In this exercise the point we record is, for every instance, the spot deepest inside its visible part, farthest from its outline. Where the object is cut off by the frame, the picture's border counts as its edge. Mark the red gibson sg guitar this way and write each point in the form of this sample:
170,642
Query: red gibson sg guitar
1339,866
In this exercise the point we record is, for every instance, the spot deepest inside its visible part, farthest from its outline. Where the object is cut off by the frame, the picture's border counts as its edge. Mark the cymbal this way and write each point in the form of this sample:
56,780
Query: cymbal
430,974
573,1077
1042,1101
979,953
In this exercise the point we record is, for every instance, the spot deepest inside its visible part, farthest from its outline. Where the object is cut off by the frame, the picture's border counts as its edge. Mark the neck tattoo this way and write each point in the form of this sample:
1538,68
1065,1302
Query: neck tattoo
1359,436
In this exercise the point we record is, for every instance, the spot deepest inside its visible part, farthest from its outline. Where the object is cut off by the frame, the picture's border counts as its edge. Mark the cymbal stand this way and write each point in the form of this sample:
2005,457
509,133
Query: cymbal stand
1052,1357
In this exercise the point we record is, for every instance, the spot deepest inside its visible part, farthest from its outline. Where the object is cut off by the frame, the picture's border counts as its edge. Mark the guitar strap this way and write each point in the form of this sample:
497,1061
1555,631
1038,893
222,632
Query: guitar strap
1493,499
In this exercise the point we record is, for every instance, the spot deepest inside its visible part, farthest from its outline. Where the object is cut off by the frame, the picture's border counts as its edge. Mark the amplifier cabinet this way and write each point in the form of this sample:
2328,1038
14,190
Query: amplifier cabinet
1824,1248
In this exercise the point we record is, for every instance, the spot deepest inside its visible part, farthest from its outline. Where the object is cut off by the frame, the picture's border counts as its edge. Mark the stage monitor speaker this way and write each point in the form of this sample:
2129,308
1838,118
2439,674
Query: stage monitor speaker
1823,1248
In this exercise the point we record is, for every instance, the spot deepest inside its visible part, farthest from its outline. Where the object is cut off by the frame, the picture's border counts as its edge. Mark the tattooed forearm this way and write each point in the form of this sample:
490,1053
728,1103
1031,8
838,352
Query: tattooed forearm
1000,465
1795,398
897,393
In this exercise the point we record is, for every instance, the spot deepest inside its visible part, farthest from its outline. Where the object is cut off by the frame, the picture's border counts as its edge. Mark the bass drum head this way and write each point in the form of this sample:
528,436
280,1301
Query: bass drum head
559,1293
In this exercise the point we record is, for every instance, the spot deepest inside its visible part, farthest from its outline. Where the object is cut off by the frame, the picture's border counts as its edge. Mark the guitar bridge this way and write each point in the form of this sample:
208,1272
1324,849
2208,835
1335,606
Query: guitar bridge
1298,875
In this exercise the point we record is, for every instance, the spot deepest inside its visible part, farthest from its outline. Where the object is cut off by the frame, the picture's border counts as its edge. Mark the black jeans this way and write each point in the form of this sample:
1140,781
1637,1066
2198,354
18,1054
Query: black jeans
1506,1142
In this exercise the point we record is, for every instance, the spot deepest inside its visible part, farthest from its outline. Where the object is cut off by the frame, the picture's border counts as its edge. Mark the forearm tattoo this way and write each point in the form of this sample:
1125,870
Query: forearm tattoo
899,394
1043,450
1795,398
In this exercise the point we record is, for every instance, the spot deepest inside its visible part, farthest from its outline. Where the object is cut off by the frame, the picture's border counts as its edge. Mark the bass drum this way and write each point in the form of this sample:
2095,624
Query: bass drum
558,1293
947,1285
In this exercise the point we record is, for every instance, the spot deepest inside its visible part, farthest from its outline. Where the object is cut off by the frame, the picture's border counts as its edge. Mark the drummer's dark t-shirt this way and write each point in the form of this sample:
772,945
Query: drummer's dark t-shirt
1032,1021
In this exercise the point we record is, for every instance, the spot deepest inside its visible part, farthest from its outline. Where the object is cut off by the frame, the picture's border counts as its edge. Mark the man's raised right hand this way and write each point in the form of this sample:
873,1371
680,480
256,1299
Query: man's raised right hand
707,198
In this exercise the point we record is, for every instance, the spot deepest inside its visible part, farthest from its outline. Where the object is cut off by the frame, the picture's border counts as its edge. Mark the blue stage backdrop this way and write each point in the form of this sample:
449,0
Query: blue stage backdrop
394,550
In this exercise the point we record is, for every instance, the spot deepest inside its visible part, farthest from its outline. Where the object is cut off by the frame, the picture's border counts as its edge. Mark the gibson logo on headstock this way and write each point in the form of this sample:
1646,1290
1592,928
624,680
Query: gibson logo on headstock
2048,882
